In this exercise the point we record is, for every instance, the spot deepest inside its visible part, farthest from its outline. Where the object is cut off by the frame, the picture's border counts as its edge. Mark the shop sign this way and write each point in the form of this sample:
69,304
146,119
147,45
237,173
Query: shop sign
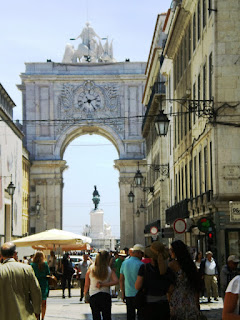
234,207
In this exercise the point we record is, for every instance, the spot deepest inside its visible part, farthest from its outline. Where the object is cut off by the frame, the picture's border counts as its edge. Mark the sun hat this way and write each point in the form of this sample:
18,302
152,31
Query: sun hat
122,253
208,252
138,247
233,258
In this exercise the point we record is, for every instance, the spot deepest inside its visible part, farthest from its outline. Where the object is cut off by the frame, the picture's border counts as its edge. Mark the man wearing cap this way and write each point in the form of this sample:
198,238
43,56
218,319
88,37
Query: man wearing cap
228,272
128,276
118,263
20,293
209,271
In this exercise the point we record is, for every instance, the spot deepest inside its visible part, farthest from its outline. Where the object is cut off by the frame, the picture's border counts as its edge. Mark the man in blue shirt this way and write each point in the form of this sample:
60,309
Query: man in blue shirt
128,277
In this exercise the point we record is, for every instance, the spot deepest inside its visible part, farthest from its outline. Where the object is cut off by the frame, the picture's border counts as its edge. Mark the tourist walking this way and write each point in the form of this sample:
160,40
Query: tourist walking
41,271
184,294
231,308
228,272
128,276
52,263
155,280
20,293
118,263
67,273
82,271
99,279
209,271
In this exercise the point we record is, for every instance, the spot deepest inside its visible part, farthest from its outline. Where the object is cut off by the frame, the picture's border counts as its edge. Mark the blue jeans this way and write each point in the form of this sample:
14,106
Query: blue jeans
101,303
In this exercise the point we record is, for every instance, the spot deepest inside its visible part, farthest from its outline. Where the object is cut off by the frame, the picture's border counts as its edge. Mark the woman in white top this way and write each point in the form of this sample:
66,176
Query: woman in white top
99,279
231,309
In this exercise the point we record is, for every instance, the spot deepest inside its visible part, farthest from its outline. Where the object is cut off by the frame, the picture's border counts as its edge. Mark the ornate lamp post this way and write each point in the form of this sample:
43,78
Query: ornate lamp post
11,189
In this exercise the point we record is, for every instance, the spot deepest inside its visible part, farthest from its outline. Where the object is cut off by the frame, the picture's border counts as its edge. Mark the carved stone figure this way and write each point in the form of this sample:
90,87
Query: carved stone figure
89,50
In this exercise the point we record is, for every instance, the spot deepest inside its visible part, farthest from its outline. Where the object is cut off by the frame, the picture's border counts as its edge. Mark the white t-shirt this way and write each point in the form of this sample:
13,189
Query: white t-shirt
210,267
93,283
234,287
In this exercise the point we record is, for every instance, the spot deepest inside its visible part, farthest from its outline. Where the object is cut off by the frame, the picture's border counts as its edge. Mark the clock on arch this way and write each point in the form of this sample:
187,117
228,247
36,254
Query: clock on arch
90,99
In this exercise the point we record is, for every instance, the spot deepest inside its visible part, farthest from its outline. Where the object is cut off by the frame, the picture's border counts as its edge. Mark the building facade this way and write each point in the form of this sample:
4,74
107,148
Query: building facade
10,175
201,67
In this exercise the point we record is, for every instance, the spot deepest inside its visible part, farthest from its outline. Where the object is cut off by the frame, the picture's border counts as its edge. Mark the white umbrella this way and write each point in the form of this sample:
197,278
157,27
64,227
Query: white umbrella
52,237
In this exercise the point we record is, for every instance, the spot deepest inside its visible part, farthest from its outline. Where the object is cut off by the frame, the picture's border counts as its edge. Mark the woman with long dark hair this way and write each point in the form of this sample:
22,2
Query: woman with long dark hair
99,279
184,295
155,279
41,271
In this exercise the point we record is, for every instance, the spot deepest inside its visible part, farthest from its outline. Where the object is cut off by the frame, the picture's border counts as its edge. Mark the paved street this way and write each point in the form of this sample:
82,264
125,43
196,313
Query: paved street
73,309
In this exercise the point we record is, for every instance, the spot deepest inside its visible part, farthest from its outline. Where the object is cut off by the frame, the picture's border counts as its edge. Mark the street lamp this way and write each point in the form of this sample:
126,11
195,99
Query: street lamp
138,178
131,197
10,190
161,124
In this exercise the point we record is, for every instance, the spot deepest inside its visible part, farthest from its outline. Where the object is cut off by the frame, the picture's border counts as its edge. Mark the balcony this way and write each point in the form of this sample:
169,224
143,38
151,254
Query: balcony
179,210
158,89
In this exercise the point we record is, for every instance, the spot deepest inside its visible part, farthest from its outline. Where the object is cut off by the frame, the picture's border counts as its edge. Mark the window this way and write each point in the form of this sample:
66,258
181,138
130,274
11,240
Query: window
199,20
186,182
194,102
189,42
169,87
211,167
179,186
205,169
200,171
171,192
194,31
199,93
195,175
182,184
204,13
209,7
210,75
204,85
176,193
190,179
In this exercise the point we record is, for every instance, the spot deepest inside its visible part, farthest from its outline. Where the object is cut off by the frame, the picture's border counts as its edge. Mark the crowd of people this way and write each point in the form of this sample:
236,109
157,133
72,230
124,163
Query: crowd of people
155,282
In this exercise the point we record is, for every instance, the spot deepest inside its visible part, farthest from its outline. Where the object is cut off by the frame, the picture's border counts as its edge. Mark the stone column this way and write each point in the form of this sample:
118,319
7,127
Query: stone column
131,226
46,185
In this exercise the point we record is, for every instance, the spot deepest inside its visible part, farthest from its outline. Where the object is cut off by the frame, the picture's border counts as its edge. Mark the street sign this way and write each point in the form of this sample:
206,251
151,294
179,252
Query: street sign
154,230
179,226
167,233
234,207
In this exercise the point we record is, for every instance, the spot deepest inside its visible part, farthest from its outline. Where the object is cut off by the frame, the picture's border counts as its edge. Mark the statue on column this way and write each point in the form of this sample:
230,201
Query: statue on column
96,197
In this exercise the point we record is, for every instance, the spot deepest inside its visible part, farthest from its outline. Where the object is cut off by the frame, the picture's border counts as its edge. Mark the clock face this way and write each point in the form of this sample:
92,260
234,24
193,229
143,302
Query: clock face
90,99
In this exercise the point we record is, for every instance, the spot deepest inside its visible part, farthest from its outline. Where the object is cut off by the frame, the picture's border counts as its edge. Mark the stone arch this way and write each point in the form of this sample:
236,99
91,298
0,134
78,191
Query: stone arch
75,131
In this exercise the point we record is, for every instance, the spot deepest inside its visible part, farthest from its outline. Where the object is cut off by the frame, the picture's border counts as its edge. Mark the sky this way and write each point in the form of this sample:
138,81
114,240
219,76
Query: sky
34,31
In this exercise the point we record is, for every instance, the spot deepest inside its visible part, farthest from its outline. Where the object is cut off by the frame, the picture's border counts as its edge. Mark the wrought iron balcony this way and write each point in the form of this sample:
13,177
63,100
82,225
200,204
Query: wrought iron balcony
158,89
179,210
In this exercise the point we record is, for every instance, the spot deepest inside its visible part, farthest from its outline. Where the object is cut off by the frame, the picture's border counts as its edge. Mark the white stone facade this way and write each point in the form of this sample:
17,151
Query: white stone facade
10,170
62,101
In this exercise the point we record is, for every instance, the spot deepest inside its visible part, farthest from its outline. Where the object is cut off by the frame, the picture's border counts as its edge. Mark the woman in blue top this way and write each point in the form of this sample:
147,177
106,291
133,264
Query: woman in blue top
41,270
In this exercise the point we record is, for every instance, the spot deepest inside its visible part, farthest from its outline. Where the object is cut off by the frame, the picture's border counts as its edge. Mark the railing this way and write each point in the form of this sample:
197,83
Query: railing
179,210
157,89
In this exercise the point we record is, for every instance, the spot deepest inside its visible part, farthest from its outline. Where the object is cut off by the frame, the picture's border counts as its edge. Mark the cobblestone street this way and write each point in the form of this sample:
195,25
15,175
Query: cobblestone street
73,309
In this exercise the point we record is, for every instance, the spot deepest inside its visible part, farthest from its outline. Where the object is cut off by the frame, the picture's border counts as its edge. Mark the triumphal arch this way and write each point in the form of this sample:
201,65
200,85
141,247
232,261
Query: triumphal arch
88,92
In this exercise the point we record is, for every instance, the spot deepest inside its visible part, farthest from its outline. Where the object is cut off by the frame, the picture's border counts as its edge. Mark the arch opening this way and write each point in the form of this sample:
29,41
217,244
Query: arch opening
90,161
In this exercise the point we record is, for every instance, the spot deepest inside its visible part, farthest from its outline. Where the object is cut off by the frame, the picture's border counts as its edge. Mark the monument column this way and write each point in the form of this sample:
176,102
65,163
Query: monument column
46,184
131,226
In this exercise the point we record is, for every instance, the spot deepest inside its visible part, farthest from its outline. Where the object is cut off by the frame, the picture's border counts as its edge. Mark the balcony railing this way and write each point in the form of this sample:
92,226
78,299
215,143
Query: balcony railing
179,210
157,89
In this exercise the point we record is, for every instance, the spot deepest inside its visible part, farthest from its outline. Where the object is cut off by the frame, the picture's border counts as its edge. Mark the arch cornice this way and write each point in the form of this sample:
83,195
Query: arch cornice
71,133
